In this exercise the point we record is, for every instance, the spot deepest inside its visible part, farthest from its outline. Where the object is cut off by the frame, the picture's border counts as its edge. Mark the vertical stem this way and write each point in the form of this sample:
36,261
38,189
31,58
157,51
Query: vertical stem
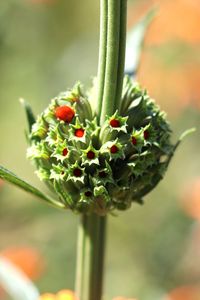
112,57
122,50
90,258
102,53
92,228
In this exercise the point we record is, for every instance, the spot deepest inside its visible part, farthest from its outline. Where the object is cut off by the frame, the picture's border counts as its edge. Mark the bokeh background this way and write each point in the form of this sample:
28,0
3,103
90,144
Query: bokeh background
153,251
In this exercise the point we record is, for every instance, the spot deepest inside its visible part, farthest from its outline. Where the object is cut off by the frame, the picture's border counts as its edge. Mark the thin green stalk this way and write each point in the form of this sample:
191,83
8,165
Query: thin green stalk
112,56
122,50
91,246
102,52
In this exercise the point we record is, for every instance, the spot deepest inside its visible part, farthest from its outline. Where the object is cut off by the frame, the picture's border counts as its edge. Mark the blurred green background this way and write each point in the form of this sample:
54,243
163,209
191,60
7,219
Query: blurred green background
45,47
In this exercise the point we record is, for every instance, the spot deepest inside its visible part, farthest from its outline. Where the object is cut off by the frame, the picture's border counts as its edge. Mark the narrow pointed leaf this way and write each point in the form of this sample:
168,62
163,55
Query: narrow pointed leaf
14,179
135,41
29,113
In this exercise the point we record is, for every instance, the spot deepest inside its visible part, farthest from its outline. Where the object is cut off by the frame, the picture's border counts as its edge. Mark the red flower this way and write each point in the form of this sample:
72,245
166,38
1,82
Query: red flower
114,123
90,154
114,149
65,152
64,113
77,172
79,132
134,140
146,134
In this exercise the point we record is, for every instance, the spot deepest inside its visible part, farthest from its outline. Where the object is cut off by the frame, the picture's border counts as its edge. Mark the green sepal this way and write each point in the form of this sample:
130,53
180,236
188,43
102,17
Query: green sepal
39,128
43,173
138,135
49,113
65,197
108,178
72,177
58,152
152,138
131,92
89,162
58,172
55,135
29,114
72,130
106,150
14,179
108,132
39,150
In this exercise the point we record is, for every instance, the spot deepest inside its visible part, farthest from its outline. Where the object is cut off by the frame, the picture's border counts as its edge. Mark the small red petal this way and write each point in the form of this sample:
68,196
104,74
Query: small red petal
90,155
146,134
88,194
64,113
79,132
65,152
114,149
134,140
114,123
77,172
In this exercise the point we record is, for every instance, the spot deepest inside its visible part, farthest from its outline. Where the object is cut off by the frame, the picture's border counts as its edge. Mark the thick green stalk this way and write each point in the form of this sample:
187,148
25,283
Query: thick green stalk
91,246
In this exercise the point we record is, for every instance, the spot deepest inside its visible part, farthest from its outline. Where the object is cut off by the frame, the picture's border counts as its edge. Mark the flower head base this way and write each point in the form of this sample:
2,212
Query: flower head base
95,168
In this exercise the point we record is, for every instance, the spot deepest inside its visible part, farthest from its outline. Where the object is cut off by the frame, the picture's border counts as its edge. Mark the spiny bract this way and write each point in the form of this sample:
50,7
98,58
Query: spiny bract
95,168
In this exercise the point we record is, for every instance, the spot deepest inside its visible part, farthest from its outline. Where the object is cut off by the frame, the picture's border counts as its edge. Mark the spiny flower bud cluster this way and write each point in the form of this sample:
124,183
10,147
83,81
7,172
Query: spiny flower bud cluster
95,168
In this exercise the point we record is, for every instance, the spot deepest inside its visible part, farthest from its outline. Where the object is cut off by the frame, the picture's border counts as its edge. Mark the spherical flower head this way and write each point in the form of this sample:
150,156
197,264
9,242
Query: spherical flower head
98,168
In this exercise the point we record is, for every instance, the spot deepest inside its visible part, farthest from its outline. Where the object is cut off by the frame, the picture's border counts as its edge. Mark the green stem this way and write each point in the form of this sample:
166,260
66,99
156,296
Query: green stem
102,52
91,245
112,57
92,228
121,55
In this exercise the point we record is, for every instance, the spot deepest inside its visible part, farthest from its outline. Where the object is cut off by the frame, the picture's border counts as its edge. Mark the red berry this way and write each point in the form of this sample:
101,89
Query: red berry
114,149
77,172
65,152
64,113
90,155
114,123
146,134
79,132
134,140
88,194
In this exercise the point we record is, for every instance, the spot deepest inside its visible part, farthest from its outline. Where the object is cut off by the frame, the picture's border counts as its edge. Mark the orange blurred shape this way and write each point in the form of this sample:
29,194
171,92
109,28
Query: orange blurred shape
190,199
184,293
61,295
27,259
174,19
170,83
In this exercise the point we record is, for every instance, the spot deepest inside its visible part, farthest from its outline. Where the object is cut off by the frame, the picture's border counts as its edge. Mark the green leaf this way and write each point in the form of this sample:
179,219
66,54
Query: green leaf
12,178
29,113
135,41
